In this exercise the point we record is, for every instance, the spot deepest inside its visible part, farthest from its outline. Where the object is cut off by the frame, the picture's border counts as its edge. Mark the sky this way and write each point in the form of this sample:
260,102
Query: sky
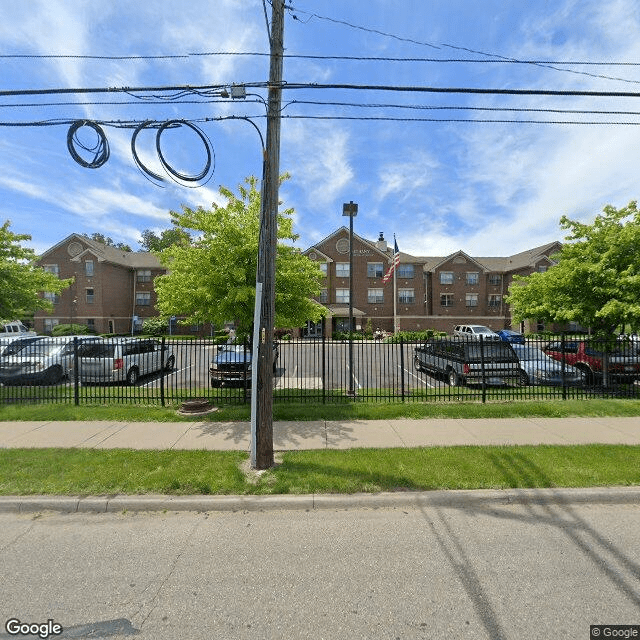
443,171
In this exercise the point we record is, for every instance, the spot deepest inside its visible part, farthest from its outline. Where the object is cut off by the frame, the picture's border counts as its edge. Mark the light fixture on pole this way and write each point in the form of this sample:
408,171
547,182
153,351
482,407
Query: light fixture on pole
350,209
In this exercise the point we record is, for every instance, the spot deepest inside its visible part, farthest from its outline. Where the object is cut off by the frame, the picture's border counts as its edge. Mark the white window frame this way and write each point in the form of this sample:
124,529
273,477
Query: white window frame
143,298
446,277
342,296
375,295
375,269
406,271
473,278
407,296
471,299
447,299
342,270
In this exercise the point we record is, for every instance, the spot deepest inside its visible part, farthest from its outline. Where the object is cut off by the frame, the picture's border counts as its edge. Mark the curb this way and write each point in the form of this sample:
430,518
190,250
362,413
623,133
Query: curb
312,502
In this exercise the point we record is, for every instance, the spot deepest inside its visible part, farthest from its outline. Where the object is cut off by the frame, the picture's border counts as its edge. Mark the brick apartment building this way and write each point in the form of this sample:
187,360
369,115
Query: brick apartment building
113,289
431,292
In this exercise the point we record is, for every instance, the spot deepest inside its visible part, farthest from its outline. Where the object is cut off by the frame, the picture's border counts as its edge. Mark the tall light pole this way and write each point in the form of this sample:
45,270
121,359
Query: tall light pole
350,209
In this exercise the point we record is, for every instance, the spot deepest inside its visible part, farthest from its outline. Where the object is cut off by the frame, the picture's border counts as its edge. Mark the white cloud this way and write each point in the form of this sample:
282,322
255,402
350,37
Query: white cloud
318,160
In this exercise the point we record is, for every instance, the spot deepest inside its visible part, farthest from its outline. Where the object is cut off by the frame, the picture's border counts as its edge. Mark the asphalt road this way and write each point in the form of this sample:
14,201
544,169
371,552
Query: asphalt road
480,572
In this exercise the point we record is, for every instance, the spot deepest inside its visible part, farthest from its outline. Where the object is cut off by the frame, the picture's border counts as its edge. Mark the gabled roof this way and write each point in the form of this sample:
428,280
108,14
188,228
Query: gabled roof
466,257
105,253
342,230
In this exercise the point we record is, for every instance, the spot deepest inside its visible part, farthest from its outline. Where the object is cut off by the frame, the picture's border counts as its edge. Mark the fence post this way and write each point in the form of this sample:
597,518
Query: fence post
482,365
76,376
402,368
324,369
563,369
162,352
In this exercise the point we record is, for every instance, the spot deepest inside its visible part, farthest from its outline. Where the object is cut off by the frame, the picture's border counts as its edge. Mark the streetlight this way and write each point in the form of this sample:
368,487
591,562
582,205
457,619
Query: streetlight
350,209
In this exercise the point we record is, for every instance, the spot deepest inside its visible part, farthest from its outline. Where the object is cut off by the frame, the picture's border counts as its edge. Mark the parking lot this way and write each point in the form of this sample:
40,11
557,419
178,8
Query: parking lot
328,371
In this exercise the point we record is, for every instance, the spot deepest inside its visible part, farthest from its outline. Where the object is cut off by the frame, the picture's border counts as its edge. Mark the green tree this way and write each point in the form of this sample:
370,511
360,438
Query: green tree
213,279
21,280
99,237
596,281
151,241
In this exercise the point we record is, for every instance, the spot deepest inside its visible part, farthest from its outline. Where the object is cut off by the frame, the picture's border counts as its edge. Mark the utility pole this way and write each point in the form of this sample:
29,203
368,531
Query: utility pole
262,374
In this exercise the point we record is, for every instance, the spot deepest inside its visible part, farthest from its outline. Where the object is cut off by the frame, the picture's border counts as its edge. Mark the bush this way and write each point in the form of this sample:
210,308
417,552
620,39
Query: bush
70,330
156,326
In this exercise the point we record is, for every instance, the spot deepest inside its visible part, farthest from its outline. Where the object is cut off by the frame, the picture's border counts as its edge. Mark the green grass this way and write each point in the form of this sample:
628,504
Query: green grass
315,411
120,471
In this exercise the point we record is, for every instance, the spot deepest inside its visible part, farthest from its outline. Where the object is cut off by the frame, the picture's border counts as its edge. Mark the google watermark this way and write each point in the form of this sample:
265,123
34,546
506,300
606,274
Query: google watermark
43,630
598,631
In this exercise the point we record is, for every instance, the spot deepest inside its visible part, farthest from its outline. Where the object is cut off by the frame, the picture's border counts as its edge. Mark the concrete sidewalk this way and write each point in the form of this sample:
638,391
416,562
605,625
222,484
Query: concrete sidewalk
321,434
290,436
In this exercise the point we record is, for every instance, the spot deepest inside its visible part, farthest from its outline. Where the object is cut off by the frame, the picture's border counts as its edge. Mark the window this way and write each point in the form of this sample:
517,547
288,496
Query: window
405,271
88,268
90,296
143,298
49,323
323,268
342,295
51,297
472,299
542,268
473,277
91,323
446,277
495,300
342,269
143,275
324,296
374,270
446,299
495,279
52,268
406,296
375,296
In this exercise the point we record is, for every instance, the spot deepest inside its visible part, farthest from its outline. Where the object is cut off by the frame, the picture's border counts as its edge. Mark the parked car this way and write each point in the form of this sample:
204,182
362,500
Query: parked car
461,361
123,360
40,360
14,328
13,346
588,356
514,337
538,368
474,331
232,364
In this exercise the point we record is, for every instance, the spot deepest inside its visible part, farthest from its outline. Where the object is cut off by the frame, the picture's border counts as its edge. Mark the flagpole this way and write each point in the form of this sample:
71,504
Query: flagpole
395,291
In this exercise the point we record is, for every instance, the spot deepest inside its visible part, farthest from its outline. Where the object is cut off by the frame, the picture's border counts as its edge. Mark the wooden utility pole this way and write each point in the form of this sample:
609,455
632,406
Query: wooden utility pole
262,391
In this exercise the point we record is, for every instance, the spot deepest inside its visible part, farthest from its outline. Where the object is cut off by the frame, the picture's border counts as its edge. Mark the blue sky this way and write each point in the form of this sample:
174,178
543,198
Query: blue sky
489,189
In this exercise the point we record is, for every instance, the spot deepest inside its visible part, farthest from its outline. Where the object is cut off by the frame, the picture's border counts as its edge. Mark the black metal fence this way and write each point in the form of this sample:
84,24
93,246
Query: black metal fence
164,371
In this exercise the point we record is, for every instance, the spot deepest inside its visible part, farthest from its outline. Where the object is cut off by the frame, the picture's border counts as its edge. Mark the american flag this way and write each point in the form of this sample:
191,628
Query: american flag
394,264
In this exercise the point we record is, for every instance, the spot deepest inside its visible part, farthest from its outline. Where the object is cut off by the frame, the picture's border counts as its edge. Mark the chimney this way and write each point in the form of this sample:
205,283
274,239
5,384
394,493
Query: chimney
381,243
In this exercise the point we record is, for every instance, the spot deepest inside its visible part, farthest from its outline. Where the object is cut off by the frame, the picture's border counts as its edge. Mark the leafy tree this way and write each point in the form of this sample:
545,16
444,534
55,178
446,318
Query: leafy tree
213,279
151,241
21,280
596,281
99,237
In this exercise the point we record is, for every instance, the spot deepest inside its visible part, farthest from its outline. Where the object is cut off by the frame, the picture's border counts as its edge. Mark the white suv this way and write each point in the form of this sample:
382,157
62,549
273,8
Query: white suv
123,360
474,331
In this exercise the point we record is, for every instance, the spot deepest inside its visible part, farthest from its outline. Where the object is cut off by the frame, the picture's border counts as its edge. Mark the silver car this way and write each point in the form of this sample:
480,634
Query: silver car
40,360
538,368
123,360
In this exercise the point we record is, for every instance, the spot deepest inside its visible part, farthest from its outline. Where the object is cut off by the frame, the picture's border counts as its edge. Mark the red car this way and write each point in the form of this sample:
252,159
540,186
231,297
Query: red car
589,357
